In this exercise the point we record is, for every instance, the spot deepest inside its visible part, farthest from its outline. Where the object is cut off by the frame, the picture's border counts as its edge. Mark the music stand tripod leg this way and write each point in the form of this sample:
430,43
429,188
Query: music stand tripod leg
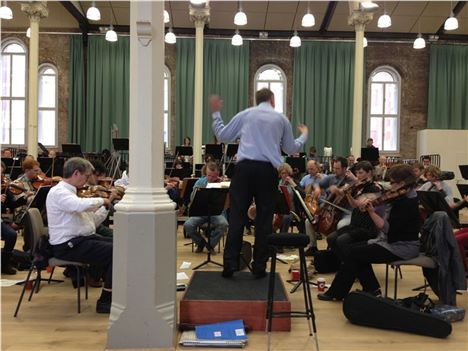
208,247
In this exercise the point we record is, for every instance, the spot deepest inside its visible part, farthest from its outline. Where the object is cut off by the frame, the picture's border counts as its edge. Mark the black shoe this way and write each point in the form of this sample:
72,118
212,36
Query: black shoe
227,273
310,251
259,274
326,297
8,270
75,285
199,248
103,307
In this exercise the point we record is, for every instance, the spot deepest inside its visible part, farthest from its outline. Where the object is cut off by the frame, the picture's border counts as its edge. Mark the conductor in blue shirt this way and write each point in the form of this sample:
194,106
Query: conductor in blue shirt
263,132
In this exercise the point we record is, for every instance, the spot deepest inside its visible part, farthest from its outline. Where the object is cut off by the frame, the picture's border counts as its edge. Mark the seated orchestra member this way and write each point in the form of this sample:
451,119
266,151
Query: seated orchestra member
9,234
351,163
397,239
361,227
6,153
306,186
330,184
434,183
418,170
31,171
381,170
312,154
426,160
219,223
285,173
72,225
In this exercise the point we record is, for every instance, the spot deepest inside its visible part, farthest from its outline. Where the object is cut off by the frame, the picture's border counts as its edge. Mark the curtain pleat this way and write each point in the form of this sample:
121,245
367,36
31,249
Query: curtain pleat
76,91
323,82
448,87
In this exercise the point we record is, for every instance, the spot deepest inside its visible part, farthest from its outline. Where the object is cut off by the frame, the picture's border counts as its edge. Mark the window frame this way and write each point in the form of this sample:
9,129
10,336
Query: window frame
397,82
44,67
4,44
284,80
169,77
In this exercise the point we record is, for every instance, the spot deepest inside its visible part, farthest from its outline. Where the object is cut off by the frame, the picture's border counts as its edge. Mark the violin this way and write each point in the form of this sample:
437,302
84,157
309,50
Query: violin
40,181
93,191
14,187
377,199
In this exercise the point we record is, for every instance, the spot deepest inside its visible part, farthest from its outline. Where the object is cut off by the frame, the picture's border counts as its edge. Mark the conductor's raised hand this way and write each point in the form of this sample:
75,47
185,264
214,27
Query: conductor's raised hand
302,128
216,104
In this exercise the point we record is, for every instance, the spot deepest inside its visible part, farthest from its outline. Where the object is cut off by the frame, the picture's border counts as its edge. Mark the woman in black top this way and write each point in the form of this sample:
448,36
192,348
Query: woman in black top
397,240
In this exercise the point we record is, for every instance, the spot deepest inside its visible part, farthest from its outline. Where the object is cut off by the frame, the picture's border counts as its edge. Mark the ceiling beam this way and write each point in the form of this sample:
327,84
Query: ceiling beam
456,10
276,34
328,16
117,27
82,20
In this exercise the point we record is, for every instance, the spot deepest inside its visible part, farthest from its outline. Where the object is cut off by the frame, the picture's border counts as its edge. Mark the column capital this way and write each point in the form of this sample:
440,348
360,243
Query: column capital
35,10
359,19
200,15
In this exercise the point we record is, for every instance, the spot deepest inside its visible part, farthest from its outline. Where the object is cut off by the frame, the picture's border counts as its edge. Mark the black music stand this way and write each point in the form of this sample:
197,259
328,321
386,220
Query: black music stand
215,150
464,171
120,144
297,163
434,201
72,150
463,189
370,154
46,165
183,151
8,161
231,150
207,203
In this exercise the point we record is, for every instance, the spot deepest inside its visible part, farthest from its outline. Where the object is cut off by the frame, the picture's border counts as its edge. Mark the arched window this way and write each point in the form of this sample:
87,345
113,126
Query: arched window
47,105
13,93
167,106
273,78
383,122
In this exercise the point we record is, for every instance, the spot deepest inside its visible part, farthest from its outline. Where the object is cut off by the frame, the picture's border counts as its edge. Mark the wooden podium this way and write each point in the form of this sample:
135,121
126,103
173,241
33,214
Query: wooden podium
210,298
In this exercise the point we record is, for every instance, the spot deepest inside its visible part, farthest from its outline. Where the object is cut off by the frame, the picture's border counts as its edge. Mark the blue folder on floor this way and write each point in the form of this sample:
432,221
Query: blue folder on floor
230,330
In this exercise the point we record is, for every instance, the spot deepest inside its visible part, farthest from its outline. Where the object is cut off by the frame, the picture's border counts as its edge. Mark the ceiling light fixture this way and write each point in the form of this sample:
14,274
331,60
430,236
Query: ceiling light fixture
5,12
237,39
198,2
111,35
384,21
419,42
28,32
451,23
369,5
93,13
364,42
240,19
170,37
166,17
308,20
295,41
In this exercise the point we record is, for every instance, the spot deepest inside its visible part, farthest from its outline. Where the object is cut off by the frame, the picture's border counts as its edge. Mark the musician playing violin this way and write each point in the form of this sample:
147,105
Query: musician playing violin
9,234
31,171
361,227
285,174
397,238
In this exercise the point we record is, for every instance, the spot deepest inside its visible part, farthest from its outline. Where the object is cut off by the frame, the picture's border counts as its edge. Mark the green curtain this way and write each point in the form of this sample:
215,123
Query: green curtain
448,87
185,80
76,91
323,82
226,73
108,83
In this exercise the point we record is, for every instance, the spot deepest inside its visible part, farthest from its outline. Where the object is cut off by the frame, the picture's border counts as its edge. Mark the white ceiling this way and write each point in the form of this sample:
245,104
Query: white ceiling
407,16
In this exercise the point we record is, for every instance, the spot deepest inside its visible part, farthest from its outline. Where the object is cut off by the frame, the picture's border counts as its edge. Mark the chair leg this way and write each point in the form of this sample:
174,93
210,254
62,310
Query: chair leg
271,291
86,282
35,287
386,279
51,274
24,289
396,283
78,288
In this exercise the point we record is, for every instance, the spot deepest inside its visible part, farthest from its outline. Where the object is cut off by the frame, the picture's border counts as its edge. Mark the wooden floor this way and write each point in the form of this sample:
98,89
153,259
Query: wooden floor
50,321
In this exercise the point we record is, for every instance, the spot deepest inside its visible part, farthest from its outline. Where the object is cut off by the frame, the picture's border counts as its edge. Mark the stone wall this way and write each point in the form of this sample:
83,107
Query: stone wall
413,67
54,49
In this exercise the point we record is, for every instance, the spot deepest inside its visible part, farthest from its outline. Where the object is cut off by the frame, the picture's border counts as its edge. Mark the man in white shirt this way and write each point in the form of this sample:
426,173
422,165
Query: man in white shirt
72,225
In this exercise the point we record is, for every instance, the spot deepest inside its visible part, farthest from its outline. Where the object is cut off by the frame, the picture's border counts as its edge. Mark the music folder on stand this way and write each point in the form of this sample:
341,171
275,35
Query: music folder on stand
208,202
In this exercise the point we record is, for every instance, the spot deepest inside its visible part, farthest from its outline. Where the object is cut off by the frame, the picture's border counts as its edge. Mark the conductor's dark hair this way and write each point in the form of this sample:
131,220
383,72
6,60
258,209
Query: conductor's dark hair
263,95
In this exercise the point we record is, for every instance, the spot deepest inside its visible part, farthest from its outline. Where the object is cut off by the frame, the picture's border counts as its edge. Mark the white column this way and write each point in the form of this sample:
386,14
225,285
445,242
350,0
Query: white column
199,16
143,311
35,11
358,19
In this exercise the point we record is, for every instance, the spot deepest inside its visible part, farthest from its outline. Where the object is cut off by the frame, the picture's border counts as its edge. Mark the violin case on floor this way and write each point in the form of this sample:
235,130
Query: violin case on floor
365,309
